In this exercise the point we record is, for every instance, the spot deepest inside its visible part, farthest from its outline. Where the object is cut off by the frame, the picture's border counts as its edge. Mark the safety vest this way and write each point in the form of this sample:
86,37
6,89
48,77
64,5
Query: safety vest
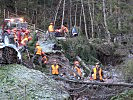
39,50
78,71
24,41
51,28
55,69
97,73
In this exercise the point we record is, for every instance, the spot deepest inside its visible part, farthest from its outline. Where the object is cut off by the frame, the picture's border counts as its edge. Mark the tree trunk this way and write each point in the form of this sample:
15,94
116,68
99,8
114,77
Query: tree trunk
75,16
70,15
84,20
118,15
63,13
99,83
105,22
57,11
92,24
80,18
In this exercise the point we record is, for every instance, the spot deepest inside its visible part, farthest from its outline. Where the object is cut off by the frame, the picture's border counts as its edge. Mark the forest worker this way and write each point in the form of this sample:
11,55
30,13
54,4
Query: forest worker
55,68
44,58
51,29
38,54
26,34
97,73
77,68
64,30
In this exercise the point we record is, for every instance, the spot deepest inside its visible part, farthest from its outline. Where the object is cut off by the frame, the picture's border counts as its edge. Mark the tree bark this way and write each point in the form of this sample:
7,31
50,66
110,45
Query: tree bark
75,16
63,13
84,20
80,18
70,15
57,12
99,83
105,21
92,24
118,15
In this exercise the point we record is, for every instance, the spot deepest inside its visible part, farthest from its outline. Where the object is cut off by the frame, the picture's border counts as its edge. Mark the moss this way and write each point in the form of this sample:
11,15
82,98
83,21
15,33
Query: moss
18,82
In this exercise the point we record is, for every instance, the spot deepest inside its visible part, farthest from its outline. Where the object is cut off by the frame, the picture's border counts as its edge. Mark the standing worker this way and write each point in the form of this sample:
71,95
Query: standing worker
38,54
55,68
97,73
77,68
51,29
64,30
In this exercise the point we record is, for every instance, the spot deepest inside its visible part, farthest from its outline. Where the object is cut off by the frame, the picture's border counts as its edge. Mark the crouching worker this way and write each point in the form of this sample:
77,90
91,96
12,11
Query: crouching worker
55,68
97,73
44,58
37,58
77,69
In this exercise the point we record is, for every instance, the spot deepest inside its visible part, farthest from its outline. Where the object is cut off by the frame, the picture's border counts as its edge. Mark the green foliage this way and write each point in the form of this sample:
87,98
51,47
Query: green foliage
32,43
128,71
79,46
127,95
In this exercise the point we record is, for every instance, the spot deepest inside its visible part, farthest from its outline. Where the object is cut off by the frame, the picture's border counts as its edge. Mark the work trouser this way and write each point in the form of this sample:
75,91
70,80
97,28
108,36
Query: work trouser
37,59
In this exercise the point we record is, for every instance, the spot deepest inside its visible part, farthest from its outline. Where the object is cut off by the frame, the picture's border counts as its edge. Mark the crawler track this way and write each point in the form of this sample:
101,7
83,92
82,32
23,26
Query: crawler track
8,56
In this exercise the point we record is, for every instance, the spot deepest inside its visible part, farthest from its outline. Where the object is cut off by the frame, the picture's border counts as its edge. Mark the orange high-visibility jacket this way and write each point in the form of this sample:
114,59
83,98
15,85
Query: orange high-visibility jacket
51,28
44,59
55,69
78,70
99,73
64,29
39,50
26,35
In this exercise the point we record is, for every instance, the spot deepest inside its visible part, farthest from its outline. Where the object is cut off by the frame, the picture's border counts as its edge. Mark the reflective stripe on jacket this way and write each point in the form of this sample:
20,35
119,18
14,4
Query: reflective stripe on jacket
97,73
55,69
39,50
